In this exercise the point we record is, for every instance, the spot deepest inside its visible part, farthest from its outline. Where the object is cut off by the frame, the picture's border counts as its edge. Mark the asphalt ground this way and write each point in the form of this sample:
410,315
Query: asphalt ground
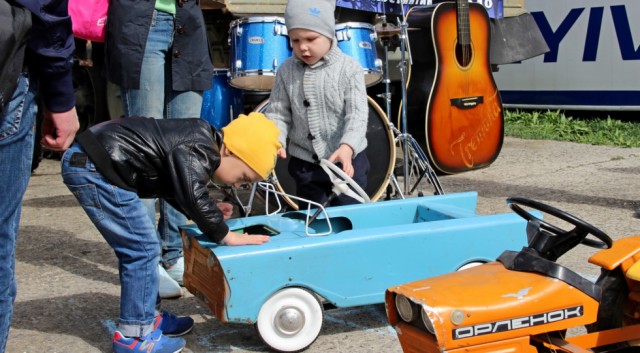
68,288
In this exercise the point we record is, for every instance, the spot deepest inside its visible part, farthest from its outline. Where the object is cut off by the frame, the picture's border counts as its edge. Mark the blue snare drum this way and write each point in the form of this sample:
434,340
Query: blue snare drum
259,45
221,103
358,40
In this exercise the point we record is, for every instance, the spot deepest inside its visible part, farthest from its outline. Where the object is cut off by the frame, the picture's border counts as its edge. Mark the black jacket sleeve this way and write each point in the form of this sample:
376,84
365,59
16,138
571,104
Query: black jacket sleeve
192,164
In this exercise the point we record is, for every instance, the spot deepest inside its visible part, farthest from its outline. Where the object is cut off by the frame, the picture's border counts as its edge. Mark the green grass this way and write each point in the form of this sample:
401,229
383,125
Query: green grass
555,125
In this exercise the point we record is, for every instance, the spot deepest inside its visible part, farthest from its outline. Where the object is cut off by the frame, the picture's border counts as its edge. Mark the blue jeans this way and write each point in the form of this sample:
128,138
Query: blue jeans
121,217
16,151
156,98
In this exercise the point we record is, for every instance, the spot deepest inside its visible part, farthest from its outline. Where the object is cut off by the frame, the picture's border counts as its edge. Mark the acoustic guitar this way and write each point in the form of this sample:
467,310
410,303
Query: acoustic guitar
462,121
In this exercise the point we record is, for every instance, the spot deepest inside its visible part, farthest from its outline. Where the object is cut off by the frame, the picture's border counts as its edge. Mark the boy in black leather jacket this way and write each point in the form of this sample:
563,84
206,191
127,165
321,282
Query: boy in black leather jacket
114,164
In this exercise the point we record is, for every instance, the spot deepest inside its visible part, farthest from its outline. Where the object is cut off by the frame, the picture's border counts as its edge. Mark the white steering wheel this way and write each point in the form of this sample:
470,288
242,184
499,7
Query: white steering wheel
342,183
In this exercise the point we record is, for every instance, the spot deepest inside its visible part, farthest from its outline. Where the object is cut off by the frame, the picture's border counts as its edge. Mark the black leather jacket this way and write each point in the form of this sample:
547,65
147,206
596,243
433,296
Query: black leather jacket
169,158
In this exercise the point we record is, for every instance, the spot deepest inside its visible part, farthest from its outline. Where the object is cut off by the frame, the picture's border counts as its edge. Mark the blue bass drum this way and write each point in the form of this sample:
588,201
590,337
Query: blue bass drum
259,45
221,103
358,40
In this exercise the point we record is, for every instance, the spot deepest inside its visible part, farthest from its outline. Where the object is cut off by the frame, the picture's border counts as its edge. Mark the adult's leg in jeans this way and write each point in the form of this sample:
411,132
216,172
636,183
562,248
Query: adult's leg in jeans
122,219
180,105
149,100
16,148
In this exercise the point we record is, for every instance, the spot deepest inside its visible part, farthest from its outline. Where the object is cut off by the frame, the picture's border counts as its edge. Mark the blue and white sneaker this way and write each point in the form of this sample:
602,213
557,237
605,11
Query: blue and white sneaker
155,342
173,326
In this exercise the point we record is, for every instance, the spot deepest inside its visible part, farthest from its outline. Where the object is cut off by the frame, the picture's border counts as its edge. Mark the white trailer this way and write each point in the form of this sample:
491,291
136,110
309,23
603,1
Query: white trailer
593,62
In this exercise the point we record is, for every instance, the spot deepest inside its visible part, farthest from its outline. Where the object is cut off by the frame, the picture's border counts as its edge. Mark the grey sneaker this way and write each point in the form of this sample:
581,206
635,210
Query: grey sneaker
176,271
169,289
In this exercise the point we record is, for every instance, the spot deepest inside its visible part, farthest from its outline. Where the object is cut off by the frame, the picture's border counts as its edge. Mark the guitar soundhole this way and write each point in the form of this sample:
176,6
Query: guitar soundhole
464,54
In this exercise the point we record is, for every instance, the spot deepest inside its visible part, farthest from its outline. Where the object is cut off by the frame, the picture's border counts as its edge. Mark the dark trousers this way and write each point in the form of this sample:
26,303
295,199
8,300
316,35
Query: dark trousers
313,183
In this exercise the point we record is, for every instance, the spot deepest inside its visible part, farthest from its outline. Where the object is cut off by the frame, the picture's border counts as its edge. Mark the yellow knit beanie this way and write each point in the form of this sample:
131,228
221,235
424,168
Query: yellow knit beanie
254,139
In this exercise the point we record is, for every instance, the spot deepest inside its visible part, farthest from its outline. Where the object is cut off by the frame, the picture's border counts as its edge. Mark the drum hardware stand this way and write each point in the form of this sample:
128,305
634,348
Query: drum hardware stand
402,65
387,98
416,160
419,163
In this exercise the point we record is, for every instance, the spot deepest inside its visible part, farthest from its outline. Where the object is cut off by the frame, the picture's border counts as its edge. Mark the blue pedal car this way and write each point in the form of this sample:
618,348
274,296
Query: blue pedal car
284,285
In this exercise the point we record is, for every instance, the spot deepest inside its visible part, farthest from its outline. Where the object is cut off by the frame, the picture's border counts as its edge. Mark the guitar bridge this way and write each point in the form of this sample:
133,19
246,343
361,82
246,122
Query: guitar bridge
467,102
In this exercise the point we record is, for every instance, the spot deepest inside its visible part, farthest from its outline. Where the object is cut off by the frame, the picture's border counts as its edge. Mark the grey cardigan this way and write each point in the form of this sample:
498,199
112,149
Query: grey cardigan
320,107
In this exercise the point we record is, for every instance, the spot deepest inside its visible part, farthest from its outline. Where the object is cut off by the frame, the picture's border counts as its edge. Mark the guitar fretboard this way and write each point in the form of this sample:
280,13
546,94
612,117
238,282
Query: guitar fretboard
462,9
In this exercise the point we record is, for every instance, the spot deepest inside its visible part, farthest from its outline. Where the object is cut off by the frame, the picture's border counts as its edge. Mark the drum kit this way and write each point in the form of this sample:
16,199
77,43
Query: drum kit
259,45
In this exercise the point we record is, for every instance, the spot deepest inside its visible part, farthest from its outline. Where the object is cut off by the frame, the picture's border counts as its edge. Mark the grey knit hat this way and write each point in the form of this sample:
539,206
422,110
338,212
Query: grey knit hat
313,15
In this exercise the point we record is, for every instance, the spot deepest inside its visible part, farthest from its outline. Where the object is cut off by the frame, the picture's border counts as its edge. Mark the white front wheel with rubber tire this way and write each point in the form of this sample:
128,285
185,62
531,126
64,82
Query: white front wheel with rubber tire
290,320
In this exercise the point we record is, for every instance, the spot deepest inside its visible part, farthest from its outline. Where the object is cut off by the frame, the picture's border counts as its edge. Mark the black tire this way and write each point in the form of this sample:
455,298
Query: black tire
91,99
611,312
37,136
114,101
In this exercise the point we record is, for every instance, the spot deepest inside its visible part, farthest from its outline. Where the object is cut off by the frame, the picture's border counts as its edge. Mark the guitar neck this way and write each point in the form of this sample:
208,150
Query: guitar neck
462,10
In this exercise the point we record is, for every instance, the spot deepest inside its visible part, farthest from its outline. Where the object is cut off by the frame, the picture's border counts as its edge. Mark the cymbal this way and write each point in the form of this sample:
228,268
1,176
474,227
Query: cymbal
390,30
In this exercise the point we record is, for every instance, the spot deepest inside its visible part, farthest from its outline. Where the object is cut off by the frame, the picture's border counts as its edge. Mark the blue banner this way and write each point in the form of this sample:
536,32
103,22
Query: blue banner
389,7
394,7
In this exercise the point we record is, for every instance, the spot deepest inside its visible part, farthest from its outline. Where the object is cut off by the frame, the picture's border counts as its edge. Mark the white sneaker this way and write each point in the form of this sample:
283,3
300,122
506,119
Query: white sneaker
169,289
176,271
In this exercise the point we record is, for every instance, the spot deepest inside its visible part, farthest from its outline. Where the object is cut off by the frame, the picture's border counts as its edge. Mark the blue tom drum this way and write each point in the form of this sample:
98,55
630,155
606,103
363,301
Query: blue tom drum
259,45
222,102
358,40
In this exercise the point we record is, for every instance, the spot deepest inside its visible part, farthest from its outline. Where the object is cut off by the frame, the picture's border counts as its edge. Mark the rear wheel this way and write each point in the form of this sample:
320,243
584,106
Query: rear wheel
91,102
114,101
611,312
37,136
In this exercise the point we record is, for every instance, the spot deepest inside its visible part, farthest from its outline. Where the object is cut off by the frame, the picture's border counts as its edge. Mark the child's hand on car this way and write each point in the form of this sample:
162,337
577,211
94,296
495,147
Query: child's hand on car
233,238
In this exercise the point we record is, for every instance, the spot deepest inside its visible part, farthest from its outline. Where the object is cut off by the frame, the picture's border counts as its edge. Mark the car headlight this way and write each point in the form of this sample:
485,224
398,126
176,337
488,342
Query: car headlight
428,324
405,308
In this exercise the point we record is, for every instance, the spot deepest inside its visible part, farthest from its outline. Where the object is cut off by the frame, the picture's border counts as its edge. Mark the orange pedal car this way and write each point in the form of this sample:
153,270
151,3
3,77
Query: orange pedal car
525,301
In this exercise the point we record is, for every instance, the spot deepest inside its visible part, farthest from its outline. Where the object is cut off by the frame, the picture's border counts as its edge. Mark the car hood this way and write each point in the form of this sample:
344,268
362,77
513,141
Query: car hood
492,303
